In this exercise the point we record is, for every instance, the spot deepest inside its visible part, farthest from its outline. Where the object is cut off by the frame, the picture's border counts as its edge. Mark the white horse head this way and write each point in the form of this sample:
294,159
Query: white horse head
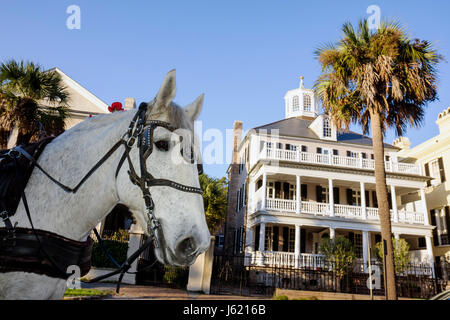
73,215
182,216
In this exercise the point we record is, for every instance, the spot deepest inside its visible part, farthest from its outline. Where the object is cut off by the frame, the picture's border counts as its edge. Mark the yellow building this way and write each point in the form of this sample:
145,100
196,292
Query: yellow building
434,157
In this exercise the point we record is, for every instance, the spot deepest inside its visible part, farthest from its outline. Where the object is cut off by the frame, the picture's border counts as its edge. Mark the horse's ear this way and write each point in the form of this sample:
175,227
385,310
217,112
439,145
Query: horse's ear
193,110
166,93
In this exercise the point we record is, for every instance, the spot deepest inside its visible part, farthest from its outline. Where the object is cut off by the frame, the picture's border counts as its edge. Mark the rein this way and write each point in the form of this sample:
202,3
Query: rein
141,131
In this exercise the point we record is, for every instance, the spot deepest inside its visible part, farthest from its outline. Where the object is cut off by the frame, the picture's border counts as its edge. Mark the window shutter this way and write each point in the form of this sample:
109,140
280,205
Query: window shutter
304,191
319,193
433,223
336,195
366,194
302,240
390,200
276,238
374,199
257,231
427,173
285,239
286,190
349,197
441,169
447,219
372,156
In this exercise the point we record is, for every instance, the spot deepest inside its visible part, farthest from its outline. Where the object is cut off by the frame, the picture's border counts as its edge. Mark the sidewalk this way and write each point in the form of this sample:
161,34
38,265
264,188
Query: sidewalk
135,292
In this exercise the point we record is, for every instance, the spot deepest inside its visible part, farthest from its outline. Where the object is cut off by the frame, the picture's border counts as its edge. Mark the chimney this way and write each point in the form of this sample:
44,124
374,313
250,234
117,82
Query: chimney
402,142
443,121
231,222
130,103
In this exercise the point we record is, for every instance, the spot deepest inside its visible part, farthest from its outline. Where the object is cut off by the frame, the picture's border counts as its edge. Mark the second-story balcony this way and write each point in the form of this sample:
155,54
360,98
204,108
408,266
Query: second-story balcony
338,161
339,210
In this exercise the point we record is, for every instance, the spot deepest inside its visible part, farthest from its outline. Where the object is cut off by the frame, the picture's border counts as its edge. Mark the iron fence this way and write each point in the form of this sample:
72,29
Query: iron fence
236,275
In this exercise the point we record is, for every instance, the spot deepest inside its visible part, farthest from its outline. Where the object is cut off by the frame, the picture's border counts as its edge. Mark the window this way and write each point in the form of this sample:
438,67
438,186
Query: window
326,128
358,245
437,171
356,197
268,239
291,240
422,243
304,149
352,154
325,195
291,147
335,152
270,191
295,103
306,102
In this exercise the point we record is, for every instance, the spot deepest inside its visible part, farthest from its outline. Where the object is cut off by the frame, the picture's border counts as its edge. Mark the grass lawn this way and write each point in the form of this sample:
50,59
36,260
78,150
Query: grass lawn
86,292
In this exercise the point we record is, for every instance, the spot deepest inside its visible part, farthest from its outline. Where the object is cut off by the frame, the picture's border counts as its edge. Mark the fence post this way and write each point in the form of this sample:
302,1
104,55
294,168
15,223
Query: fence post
200,272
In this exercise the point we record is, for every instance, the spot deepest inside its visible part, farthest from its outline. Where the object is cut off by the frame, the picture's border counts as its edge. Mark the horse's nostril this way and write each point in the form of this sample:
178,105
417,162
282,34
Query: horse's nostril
186,247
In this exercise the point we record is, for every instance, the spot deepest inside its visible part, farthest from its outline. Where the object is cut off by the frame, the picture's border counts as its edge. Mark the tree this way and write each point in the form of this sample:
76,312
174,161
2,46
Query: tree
402,257
214,200
379,79
340,253
23,89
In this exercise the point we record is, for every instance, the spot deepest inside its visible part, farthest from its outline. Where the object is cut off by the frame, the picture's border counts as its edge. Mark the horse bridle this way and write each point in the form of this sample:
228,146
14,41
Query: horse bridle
143,131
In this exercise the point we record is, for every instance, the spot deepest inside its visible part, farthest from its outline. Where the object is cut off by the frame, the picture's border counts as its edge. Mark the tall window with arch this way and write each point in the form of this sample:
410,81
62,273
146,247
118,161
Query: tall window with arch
306,102
326,128
295,103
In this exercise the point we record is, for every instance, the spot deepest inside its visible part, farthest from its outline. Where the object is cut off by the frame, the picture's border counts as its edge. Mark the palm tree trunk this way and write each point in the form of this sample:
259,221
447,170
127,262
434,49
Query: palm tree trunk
383,204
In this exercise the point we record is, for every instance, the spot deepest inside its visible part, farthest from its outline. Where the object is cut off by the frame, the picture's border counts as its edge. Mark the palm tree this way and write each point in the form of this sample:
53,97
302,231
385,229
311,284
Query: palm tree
214,200
379,79
24,87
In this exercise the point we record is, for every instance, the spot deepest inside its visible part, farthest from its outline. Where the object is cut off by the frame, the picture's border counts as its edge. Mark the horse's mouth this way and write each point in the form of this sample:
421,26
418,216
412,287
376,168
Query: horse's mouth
167,257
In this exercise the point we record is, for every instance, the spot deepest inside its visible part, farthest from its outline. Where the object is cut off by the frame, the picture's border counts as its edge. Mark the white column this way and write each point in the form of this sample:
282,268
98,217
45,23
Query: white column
363,201
365,237
424,207
396,236
297,245
437,214
331,196
251,196
360,160
134,242
430,252
298,196
264,186
332,233
394,203
262,236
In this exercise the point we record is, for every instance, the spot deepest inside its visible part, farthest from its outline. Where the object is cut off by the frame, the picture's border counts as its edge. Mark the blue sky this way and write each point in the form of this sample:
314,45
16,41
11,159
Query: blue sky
244,55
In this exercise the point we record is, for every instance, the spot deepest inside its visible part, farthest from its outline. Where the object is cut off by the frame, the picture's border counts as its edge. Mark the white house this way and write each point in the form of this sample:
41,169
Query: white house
297,180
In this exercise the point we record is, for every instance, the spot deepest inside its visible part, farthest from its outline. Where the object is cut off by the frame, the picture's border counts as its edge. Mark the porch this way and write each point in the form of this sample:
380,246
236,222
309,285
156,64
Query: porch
298,247
297,195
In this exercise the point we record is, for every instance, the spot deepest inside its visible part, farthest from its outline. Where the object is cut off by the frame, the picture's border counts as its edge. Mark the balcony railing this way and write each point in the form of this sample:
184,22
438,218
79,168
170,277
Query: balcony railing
287,259
340,210
338,161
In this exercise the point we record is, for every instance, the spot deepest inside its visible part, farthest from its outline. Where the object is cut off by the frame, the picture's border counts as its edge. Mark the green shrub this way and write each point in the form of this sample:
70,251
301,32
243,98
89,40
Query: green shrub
117,249
176,276
281,297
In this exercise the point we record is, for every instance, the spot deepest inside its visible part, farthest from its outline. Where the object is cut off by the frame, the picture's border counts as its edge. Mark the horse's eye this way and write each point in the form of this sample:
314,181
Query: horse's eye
162,145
